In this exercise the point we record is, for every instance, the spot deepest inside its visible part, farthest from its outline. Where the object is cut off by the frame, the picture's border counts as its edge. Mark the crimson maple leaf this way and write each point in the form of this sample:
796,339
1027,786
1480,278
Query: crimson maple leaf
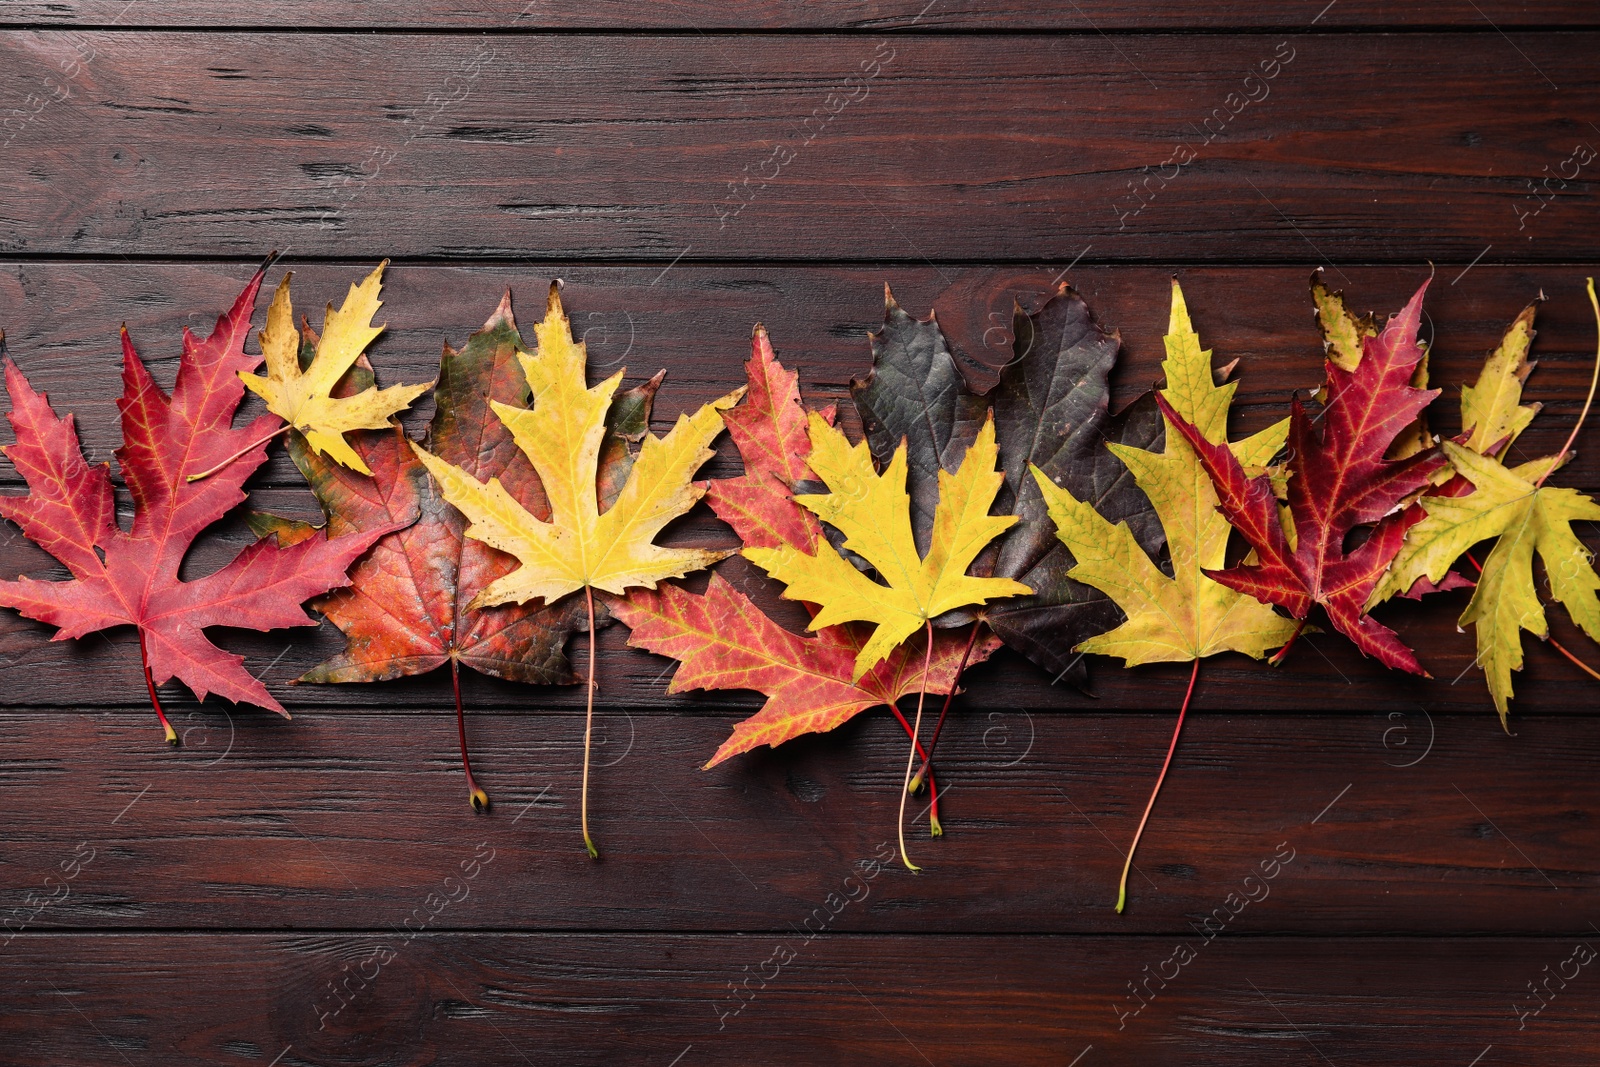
1340,479
130,577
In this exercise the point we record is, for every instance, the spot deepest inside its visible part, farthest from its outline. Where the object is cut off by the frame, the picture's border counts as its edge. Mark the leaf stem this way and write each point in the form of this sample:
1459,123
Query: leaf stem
1277,657
1122,888
911,757
155,702
933,786
927,761
480,799
1594,380
1552,642
1582,666
285,428
588,729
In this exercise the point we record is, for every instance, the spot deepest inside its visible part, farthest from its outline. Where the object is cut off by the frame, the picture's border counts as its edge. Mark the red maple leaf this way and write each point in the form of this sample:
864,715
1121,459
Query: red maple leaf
769,430
724,641
130,577
1340,480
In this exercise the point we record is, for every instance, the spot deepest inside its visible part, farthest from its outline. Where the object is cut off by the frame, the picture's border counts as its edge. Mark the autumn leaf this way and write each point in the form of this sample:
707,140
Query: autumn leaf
300,390
768,427
407,611
304,399
1051,409
130,577
1344,340
724,641
580,546
873,511
1184,615
1341,479
1513,507
1344,336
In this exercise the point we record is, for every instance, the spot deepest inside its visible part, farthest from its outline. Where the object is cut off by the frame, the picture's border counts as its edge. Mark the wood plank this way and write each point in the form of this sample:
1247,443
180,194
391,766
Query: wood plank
456,999
1395,823
864,15
695,320
469,146
61,323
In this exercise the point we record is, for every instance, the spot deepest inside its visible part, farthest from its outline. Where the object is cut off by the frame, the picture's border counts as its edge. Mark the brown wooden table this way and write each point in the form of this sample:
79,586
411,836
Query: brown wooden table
270,892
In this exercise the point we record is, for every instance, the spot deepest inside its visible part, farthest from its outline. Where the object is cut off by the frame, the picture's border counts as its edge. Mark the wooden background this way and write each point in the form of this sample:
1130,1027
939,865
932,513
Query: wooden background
154,152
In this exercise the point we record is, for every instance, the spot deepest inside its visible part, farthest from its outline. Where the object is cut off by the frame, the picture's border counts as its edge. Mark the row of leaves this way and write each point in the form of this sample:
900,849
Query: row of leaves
1025,515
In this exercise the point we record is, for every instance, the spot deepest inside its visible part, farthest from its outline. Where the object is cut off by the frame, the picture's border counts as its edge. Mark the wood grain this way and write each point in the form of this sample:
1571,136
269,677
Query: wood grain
469,146
864,15
1398,824
466,999
255,896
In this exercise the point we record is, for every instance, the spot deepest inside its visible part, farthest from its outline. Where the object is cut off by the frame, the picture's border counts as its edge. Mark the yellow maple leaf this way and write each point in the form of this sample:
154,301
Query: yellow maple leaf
302,398
1512,506
873,511
1492,411
1185,615
1524,517
580,547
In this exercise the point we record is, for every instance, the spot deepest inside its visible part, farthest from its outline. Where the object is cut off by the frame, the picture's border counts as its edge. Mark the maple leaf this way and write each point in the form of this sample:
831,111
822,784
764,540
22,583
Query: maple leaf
1344,340
303,395
1344,336
580,546
406,610
724,641
1340,479
1513,507
1051,409
130,577
1184,615
873,511
768,427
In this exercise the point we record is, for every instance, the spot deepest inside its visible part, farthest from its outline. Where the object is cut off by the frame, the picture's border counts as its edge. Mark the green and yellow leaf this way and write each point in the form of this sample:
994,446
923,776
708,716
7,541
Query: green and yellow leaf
1185,615
1514,508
